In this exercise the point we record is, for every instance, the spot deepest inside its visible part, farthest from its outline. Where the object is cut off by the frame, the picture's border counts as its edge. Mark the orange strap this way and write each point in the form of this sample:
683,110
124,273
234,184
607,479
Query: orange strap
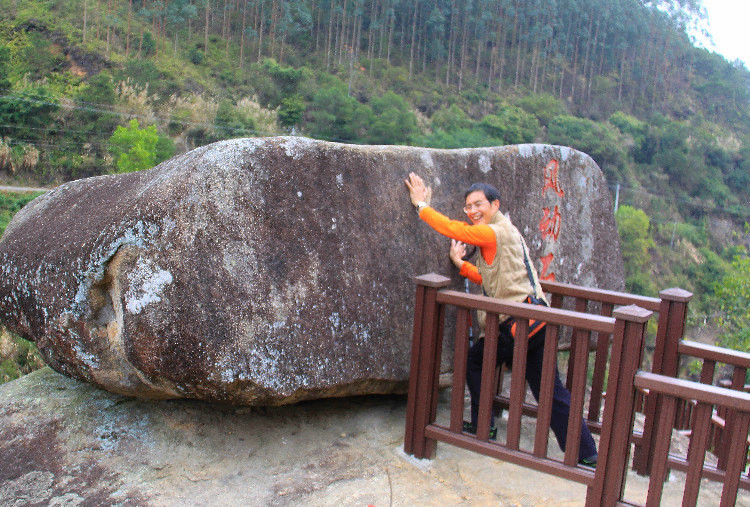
534,325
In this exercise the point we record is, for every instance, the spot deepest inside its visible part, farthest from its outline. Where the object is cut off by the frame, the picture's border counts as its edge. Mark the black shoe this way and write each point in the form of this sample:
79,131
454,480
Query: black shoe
469,428
588,462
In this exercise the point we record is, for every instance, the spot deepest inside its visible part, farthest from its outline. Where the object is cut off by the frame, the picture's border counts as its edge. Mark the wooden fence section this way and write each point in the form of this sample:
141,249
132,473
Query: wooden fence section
667,392
670,306
679,403
627,328
725,419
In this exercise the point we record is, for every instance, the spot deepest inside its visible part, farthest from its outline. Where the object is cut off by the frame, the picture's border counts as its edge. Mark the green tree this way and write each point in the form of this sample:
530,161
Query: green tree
451,118
134,148
4,69
542,105
394,123
601,141
26,114
635,242
733,294
291,110
336,116
511,124
230,123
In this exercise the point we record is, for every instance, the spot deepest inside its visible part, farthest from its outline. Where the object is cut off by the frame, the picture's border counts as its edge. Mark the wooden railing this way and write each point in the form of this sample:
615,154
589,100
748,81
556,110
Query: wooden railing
668,393
622,329
725,418
627,328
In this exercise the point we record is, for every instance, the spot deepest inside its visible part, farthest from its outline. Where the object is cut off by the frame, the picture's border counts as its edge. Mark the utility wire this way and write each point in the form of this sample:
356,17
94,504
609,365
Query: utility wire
158,118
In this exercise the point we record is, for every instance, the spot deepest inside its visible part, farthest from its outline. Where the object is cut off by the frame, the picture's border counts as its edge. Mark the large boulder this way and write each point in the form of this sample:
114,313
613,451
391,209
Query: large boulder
266,271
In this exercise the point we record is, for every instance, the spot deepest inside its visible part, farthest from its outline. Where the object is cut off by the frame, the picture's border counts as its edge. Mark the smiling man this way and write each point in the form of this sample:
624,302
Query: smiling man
504,271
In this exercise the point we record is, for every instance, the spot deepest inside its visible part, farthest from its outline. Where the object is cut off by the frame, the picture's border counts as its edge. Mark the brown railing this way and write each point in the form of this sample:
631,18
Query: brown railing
627,329
671,308
725,419
667,394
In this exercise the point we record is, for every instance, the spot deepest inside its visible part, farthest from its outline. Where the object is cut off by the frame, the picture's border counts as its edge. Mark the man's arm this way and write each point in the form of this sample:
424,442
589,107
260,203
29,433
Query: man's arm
466,269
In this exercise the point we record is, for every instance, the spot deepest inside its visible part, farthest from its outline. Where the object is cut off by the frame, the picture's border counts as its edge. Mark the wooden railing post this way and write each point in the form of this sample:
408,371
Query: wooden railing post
421,405
627,352
672,316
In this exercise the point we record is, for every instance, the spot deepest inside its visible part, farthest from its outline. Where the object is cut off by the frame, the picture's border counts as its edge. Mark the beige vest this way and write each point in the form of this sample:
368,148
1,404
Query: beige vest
507,277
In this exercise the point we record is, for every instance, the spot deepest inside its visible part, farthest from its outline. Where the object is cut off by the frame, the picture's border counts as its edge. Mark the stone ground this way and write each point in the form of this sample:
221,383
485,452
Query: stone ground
63,442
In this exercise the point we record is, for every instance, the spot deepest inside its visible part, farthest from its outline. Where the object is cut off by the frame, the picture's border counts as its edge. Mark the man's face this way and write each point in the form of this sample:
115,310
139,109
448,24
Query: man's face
479,209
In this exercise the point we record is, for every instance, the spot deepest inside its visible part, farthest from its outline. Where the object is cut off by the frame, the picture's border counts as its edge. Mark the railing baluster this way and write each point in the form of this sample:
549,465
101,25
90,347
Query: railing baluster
738,384
600,368
460,356
421,402
667,406
735,460
546,390
518,383
672,316
627,350
697,452
489,361
581,306
577,396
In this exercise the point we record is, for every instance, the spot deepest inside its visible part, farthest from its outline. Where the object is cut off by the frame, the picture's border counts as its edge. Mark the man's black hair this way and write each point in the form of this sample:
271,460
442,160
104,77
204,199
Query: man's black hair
490,192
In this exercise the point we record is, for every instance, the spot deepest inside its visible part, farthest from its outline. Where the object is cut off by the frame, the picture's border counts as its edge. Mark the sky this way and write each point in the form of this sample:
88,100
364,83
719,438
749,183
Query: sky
728,26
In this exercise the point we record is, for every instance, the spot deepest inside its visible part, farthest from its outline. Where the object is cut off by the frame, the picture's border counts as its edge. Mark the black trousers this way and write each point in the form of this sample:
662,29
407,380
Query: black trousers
561,396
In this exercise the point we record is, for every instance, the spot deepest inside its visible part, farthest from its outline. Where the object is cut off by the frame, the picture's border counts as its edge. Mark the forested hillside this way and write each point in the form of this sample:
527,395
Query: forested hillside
98,86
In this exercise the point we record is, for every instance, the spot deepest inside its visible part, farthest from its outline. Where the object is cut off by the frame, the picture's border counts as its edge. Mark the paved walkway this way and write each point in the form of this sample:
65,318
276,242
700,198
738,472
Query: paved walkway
22,189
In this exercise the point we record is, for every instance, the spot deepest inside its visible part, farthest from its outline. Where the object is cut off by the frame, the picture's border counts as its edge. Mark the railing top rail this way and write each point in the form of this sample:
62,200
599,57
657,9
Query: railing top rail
601,295
714,353
527,311
686,389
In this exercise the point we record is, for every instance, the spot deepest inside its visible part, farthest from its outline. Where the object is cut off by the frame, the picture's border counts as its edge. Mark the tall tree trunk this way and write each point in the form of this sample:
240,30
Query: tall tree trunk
330,35
371,37
451,43
390,35
272,28
205,28
317,27
383,26
467,5
502,60
343,36
574,76
107,22
515,40
127,37
242,35
413,38
592,65
494,51
85,18
164,26
140,42
260,30
224,20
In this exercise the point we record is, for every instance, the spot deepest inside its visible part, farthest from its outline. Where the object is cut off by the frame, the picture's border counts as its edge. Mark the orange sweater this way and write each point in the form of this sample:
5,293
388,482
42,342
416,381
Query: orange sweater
479,235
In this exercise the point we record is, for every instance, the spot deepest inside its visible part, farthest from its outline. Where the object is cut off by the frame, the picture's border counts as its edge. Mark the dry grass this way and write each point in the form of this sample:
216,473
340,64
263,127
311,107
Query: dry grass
135,100
265,120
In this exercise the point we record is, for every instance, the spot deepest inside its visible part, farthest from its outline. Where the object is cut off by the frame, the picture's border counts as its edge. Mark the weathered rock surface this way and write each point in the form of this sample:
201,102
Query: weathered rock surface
266,271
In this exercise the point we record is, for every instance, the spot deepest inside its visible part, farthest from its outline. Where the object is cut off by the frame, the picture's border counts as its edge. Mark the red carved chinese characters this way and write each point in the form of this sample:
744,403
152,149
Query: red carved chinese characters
551,222
546,260
550,178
